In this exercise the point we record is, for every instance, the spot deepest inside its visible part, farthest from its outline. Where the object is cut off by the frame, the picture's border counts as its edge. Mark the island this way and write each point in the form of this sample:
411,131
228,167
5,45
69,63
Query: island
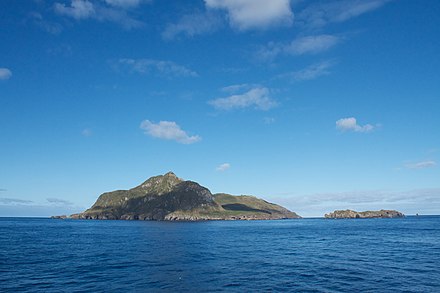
350,214
167,197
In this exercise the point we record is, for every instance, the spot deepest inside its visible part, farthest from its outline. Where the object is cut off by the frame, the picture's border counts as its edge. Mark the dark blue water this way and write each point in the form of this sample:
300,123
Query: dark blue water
315,255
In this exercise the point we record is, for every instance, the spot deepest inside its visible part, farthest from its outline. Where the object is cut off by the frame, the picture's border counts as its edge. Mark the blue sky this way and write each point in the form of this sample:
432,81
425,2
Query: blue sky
315,105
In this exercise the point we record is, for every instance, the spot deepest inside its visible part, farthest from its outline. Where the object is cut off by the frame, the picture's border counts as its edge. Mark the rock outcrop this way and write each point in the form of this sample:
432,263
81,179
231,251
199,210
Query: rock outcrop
350,214
167,197
62,217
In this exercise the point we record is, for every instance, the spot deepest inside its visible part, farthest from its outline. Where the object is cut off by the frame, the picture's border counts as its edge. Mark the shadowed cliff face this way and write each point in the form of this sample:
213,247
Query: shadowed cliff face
167,197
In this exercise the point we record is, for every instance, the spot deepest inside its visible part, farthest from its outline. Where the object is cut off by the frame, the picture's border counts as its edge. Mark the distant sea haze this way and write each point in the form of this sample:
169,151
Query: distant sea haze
313,255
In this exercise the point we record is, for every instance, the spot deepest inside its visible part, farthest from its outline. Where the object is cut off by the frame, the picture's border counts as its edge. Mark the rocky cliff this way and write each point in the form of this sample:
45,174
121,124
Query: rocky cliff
167,197
349,214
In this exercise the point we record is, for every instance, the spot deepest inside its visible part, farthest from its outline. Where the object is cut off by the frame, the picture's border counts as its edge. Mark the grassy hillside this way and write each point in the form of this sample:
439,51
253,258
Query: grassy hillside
245,204
167,197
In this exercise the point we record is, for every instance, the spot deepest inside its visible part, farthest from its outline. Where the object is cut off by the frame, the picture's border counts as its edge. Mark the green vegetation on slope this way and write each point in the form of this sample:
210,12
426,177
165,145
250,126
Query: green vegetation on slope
166,197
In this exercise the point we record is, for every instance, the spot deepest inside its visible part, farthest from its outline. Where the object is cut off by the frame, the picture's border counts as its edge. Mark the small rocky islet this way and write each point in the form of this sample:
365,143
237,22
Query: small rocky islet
350,214
167,197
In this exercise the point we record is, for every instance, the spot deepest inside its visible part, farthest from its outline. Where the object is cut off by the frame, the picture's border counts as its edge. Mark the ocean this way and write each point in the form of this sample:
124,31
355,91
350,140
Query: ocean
304,255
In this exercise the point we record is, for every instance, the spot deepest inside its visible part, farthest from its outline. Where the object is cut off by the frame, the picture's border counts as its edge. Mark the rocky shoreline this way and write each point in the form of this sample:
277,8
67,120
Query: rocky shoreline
183,218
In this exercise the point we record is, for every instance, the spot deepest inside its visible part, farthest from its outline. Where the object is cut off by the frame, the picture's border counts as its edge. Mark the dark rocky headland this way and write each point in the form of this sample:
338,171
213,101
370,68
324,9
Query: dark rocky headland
167,197
350,214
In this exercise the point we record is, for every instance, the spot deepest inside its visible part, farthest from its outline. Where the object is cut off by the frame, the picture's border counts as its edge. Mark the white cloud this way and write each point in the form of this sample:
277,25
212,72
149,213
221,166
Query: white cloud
350,124
223,167
254,14
321,13
5,73
310,72
299,46
168,130
257,97
242,15
161,67
192,25
78,9
421,165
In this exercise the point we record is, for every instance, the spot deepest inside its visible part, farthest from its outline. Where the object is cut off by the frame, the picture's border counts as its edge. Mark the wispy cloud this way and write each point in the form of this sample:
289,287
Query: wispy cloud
433,151
410,201
58,201
5,73
126,4
254,14
17,201
350,124
372,196
168,130
193,24
113,11
421,165
311,44
48,26
258,98
9,201
310,72
63,50
118,16
321,13
223,167
13,207
78,9
232,70
268,120
160,67
300,46
232,89
87,132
